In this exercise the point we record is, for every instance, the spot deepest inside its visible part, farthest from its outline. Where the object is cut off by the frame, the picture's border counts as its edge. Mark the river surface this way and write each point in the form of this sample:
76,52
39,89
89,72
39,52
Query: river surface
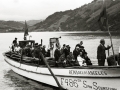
12,81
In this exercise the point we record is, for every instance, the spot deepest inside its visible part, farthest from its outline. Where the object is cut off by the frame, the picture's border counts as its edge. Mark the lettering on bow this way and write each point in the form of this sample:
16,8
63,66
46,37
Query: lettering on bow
77,72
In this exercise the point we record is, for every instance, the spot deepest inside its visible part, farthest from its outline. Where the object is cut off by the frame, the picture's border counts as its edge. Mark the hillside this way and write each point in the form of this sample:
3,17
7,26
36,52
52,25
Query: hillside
31,22
11,26
16,26
83,18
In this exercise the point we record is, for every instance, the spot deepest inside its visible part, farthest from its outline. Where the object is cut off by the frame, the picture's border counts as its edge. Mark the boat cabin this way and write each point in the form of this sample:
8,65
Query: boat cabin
23,43
54,43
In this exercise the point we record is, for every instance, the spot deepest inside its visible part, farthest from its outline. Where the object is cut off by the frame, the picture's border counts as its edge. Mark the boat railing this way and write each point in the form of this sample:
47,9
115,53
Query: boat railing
31,60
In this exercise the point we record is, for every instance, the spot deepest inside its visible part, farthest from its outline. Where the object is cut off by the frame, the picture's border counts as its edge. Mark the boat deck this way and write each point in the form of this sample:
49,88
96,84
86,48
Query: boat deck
35,62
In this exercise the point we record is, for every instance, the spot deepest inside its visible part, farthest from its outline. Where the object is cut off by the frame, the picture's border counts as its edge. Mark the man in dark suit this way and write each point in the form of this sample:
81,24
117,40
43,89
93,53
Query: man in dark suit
101,55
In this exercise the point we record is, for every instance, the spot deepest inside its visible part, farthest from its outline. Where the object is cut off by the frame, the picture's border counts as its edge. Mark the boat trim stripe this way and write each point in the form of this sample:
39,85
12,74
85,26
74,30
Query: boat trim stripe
62,75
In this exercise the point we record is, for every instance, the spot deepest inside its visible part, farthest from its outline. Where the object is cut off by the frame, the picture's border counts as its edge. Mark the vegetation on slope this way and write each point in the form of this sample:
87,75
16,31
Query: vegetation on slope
84,18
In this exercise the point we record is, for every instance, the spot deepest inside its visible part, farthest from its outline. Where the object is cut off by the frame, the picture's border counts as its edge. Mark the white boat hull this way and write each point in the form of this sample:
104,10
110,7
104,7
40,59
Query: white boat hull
71,78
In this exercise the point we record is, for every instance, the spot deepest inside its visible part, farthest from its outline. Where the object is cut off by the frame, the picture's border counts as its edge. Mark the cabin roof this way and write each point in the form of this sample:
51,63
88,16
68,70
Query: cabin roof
27,41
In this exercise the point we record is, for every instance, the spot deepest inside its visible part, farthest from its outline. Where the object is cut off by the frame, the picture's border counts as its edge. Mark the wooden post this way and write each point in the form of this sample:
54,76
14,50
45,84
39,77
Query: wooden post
60,87
111,40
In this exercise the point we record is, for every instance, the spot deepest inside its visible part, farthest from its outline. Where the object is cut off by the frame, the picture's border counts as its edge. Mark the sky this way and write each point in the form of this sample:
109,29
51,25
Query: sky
21,10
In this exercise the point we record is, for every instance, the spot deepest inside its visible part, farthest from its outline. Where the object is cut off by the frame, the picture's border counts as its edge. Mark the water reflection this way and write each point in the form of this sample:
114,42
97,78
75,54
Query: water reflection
22,83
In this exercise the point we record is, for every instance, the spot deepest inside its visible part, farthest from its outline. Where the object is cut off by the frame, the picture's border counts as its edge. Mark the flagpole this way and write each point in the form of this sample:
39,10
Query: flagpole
109,34
111,40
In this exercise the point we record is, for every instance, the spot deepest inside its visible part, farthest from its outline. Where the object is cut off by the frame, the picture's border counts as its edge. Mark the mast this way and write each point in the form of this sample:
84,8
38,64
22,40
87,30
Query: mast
25,31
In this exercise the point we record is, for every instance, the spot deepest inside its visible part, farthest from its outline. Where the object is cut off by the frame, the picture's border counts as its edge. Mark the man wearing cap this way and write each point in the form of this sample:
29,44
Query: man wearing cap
101,55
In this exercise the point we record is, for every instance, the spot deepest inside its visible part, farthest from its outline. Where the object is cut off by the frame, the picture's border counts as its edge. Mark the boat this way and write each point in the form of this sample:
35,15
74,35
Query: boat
77,77
71,78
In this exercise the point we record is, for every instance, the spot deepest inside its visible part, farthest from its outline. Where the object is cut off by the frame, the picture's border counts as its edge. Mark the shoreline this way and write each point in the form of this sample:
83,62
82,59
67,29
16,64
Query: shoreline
117,32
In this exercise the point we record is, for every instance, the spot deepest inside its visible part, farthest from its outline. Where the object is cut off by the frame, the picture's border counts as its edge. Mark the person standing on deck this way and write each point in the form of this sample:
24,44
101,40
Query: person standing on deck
14,44
101,55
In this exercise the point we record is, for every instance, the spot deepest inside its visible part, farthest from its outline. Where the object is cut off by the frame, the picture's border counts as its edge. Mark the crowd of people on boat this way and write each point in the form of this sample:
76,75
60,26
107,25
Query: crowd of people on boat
64,57
29,50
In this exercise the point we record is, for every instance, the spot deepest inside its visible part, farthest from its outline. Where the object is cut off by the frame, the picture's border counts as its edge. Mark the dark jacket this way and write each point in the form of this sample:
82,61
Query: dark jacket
111,61
80,46
15,42
57,54
44,51
28,51
76,53
101,51
36,52
66,52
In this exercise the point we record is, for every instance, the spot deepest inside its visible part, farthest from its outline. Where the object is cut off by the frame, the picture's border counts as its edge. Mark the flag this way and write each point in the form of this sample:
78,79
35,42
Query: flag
25,31
103,20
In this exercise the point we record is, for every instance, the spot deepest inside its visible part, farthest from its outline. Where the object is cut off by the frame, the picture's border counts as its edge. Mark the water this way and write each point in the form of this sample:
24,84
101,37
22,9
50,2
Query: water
12,81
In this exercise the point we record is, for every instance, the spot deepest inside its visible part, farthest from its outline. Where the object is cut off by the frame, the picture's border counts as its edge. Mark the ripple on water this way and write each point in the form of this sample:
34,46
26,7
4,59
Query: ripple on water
22,83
